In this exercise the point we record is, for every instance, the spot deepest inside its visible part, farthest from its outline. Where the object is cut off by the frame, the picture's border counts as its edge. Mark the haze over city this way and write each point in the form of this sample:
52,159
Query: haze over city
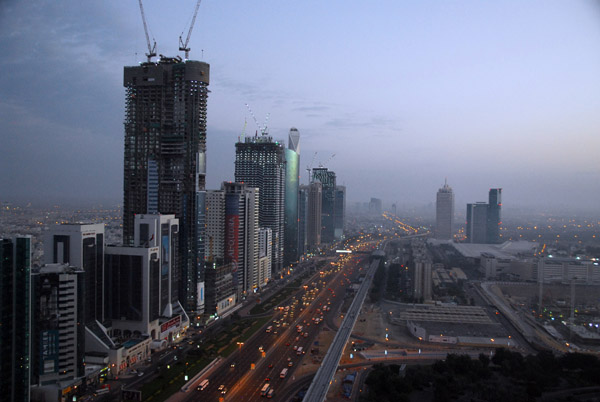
404,94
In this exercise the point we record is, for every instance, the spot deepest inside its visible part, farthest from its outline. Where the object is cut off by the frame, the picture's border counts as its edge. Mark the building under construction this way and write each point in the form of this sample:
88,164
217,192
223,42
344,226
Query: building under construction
164,164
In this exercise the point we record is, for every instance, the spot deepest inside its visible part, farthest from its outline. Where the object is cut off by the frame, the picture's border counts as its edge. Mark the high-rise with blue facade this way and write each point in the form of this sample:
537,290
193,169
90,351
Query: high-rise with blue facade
292,181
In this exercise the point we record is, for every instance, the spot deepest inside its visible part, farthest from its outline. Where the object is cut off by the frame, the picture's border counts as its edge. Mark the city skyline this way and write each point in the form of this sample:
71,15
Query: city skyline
496,95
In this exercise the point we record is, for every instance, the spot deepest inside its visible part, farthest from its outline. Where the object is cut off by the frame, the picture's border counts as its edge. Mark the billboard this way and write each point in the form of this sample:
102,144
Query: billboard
165,249
232,230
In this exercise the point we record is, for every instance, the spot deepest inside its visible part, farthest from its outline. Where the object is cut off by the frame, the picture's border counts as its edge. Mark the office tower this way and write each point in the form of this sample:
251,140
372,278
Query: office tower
375,207
260,163
476,228
327,180
164,159
444,212
15,317
493,216
58,342
81,245
241,235
302,218
220,292
140,292
265,241
339,212
313,216
292,181
423,280
215,226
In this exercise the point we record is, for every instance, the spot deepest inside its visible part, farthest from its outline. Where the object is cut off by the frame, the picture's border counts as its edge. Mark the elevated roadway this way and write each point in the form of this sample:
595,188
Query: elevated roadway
324,376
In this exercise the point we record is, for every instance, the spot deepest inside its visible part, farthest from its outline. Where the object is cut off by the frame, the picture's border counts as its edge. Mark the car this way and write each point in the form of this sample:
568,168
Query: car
295,347
232,365
222,389
140,374
271,365
287,344
290,364
267,379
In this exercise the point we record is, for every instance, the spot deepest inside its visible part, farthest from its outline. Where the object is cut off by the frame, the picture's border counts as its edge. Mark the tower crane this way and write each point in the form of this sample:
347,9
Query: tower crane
184,46
151,48
264,130
327,161
309,167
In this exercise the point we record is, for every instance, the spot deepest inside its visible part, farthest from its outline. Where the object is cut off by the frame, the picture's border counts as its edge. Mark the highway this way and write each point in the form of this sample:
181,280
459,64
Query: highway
320,385
240,378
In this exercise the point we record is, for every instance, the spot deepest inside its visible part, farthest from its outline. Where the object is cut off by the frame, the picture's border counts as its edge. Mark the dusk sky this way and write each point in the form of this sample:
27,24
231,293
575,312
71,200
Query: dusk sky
404,93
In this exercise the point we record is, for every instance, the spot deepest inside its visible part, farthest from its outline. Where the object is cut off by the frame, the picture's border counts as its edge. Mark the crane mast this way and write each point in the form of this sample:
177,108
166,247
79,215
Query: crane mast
151,48
184,46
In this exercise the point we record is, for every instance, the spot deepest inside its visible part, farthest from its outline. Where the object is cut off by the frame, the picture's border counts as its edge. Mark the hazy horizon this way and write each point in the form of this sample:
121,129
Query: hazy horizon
404,94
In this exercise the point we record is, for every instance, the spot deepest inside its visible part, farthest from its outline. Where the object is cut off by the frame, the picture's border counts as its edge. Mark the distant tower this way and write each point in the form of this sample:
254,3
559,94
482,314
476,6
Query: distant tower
302,218
476,229
444,213
165,164
292,181
313,215
493,216
327,179
260,163
339,212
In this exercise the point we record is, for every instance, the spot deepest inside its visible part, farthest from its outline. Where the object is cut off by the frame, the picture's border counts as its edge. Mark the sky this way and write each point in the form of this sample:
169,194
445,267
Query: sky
404,93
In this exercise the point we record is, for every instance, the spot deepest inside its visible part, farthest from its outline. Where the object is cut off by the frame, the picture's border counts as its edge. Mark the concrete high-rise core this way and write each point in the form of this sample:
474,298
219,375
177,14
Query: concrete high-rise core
260,163
164,163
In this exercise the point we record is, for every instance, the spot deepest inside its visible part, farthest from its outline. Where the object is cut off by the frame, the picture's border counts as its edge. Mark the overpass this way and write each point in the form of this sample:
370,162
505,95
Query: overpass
324,376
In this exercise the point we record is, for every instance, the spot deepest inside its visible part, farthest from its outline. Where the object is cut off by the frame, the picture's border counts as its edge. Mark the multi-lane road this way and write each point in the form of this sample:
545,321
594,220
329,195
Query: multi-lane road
261,359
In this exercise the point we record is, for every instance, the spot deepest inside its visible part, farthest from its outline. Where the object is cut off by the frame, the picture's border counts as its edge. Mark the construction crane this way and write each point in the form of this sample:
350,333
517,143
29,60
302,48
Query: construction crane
184,46
327,161
264,130
151,48
309,168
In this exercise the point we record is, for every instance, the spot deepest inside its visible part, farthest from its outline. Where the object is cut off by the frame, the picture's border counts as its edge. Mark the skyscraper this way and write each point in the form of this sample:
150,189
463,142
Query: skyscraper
302,218
292,181
81,245
493,216
476,222
241,235
483,219
313,215
327,180
15,318
339,212
260,163
164,164
444,213
58,342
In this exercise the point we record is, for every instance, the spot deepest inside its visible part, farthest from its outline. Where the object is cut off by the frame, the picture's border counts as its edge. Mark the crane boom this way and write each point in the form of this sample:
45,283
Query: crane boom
151,49
184,46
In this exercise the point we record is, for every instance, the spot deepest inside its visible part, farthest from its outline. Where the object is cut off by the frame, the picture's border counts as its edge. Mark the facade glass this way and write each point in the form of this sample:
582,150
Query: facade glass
15,317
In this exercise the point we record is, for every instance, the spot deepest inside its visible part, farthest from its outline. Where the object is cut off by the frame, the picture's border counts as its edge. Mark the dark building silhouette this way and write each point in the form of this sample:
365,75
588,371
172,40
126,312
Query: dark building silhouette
165,164
15,318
